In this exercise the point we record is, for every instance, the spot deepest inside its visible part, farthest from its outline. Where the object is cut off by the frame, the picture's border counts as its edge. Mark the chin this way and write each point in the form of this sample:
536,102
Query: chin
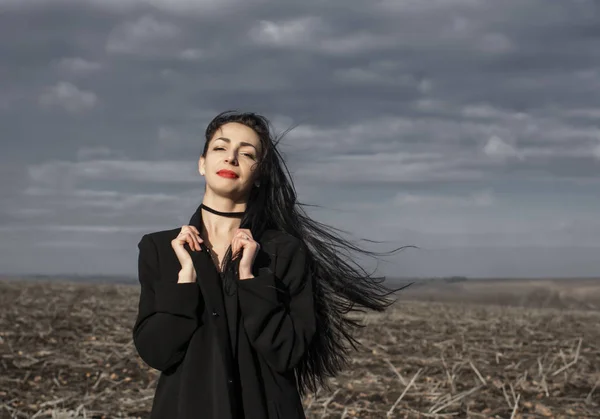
226,191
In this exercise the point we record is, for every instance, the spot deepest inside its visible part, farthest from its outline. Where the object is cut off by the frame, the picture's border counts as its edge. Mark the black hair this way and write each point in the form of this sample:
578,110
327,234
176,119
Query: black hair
339,286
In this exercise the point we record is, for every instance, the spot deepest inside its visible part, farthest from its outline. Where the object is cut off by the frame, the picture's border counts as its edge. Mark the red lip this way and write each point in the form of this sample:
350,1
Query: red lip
227,174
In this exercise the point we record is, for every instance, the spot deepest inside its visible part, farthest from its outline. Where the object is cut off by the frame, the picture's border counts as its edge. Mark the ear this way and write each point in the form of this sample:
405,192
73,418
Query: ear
201,168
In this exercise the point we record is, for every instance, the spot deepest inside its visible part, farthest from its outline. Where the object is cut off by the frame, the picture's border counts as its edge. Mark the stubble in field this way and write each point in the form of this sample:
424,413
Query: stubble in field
66,352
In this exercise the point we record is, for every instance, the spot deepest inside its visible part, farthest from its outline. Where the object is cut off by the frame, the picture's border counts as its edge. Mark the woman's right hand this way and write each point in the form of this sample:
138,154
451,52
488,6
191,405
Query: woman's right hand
191,235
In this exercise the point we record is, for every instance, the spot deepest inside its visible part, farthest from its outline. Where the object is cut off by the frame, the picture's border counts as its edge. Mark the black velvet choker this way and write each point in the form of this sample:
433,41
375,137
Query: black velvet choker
224,214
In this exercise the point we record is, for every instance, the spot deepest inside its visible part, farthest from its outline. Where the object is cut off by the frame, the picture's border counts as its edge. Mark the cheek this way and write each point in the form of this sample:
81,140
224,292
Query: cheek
211,161
253,176
253,167
249,168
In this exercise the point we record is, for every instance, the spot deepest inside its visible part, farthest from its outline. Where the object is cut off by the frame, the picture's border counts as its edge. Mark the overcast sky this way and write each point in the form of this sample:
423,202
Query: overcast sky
469,128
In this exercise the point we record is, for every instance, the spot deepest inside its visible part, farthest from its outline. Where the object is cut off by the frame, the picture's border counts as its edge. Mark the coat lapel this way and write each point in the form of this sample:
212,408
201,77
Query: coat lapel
212,291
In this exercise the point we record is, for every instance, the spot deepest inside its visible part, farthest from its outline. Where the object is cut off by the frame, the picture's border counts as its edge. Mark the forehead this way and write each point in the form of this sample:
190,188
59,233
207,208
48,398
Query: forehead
237,133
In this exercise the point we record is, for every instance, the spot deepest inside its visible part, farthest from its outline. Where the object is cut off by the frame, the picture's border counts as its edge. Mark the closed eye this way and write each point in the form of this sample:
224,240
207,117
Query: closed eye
244,154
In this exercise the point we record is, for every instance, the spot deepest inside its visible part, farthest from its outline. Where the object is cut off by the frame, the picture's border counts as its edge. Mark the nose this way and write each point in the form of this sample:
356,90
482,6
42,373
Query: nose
232,159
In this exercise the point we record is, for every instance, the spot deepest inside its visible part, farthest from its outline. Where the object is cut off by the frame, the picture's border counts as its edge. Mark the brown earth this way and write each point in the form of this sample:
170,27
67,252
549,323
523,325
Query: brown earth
444,350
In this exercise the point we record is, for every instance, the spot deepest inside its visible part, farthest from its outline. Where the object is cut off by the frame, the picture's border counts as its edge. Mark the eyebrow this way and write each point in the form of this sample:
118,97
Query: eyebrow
243,143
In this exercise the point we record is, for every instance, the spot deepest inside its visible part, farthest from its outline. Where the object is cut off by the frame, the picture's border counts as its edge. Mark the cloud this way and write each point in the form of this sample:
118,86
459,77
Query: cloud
112,201
83,229
177,6
596,151
66,174
127,6
4,103
416,6
381,73
170,139
192,54
287,33
485,110
144,36
96,153
483,198
495,43
69,97
496,147
591,113
78,65
356,43
384,168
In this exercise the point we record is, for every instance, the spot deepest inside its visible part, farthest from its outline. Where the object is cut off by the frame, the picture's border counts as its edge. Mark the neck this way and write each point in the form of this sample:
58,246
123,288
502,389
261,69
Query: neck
217,226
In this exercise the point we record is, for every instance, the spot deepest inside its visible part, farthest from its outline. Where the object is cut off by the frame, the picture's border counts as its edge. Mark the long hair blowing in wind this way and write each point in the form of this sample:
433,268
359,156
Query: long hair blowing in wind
340,285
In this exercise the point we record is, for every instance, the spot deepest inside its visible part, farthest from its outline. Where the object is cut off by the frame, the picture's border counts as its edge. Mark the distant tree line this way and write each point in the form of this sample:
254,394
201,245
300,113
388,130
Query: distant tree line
455,279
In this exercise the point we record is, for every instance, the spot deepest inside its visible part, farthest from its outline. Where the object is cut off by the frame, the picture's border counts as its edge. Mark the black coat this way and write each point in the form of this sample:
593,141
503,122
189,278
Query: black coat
224,355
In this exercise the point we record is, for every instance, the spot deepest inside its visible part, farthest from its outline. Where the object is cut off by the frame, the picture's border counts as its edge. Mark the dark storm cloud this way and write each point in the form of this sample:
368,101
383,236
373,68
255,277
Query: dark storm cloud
402,107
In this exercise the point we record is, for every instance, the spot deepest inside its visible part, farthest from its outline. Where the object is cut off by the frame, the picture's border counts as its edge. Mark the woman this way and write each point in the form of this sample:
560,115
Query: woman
242,310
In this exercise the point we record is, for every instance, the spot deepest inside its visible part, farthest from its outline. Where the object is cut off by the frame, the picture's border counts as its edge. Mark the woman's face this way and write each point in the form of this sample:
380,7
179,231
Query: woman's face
231,159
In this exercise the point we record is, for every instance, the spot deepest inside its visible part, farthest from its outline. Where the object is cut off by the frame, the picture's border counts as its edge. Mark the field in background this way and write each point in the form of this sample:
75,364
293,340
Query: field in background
575,293
483,349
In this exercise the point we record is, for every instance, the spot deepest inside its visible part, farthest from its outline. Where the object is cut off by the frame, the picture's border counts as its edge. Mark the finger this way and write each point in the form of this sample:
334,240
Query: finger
185,233
188,237
181,237
189,228
251,244
190,241
239,245
242,245
247,232
197,235
234,246
242,235
196,241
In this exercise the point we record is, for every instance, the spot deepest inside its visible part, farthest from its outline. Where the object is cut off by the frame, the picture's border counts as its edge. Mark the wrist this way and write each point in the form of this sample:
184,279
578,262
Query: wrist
187,268
245,275
187,274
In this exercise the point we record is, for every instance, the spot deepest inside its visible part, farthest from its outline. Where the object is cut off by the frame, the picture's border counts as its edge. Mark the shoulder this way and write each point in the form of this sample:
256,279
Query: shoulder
280,242
158,239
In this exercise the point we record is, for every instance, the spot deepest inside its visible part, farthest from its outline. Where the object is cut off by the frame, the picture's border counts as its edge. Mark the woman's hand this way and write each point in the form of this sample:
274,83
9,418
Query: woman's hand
190,235
243,241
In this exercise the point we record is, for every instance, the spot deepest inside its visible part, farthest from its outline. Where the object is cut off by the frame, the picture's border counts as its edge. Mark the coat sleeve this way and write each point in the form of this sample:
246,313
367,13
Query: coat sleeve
280,323
167,313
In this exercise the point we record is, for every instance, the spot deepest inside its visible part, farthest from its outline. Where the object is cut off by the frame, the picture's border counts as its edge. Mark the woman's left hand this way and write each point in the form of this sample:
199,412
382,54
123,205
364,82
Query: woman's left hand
243,241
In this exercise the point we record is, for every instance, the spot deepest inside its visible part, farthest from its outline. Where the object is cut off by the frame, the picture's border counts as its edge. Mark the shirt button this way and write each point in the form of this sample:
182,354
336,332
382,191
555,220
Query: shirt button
215,314
230,381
